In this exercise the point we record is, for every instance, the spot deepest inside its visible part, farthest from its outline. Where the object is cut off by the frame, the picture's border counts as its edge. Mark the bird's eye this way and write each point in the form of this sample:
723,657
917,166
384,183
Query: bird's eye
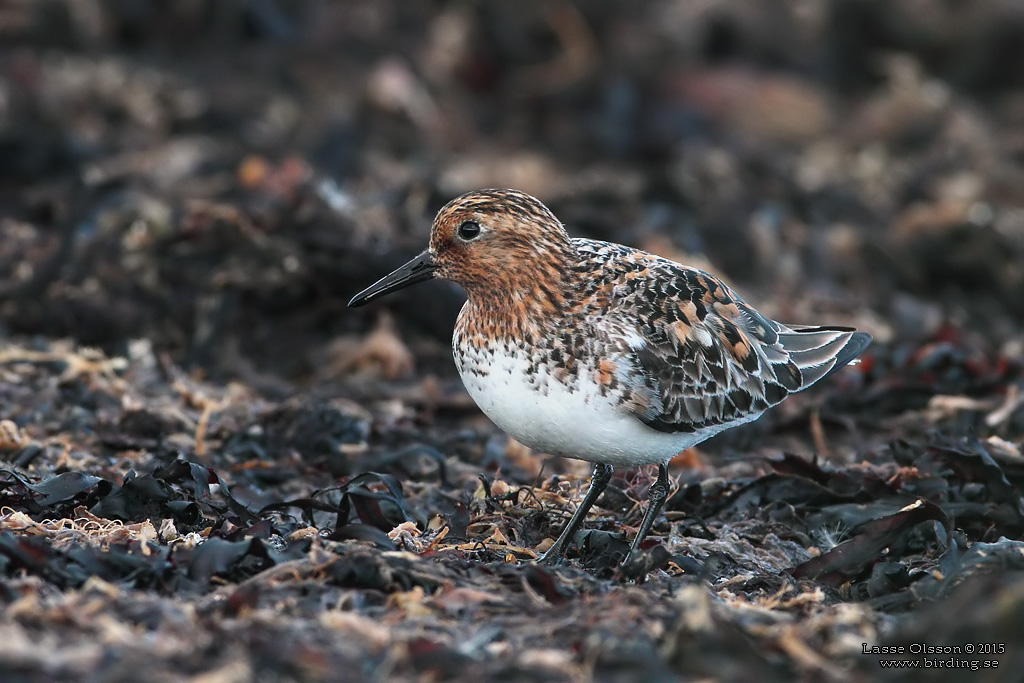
469,230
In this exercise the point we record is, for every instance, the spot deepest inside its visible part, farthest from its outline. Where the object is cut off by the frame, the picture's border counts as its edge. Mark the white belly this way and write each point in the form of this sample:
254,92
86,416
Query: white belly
576,422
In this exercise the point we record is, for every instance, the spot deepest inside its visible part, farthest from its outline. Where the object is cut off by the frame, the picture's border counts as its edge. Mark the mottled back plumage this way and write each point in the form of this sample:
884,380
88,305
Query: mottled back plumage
691,353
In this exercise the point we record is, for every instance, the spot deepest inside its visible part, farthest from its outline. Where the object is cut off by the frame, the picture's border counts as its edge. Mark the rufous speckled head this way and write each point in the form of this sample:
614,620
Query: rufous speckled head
492,242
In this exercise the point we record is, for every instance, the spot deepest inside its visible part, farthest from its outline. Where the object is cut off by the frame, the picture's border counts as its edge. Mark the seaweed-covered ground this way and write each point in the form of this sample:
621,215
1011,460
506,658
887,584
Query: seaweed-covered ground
211,470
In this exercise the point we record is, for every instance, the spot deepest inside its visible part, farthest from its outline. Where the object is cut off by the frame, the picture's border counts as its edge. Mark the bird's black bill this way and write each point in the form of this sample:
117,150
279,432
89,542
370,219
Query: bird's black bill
417,270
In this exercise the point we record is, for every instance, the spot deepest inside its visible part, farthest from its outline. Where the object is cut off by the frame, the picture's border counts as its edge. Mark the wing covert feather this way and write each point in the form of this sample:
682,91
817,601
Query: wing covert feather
695,355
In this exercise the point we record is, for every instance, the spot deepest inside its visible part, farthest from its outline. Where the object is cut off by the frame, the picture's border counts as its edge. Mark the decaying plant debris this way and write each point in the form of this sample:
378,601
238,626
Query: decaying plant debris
210,469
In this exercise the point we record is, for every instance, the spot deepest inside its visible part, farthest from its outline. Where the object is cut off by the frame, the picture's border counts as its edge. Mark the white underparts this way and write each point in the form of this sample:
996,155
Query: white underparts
573,421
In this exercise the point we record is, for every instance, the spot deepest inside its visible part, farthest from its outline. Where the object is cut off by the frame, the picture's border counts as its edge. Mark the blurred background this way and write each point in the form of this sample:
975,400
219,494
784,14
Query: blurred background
220,176
197,188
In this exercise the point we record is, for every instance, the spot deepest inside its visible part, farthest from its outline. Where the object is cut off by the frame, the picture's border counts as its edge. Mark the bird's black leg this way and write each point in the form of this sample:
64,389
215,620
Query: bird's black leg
598,482
655,499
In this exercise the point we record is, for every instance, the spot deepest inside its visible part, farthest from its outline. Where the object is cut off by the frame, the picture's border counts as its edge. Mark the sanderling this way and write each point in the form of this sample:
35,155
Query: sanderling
602,352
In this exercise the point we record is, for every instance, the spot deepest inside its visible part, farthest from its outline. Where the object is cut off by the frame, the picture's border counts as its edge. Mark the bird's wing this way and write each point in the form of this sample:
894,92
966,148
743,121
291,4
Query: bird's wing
699,356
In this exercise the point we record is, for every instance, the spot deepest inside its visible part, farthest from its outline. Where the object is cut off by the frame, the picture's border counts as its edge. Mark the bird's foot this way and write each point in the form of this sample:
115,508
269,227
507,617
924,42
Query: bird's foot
553,556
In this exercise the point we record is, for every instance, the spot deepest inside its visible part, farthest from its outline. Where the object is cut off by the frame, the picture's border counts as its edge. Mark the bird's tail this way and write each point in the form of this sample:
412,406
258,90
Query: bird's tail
820,351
